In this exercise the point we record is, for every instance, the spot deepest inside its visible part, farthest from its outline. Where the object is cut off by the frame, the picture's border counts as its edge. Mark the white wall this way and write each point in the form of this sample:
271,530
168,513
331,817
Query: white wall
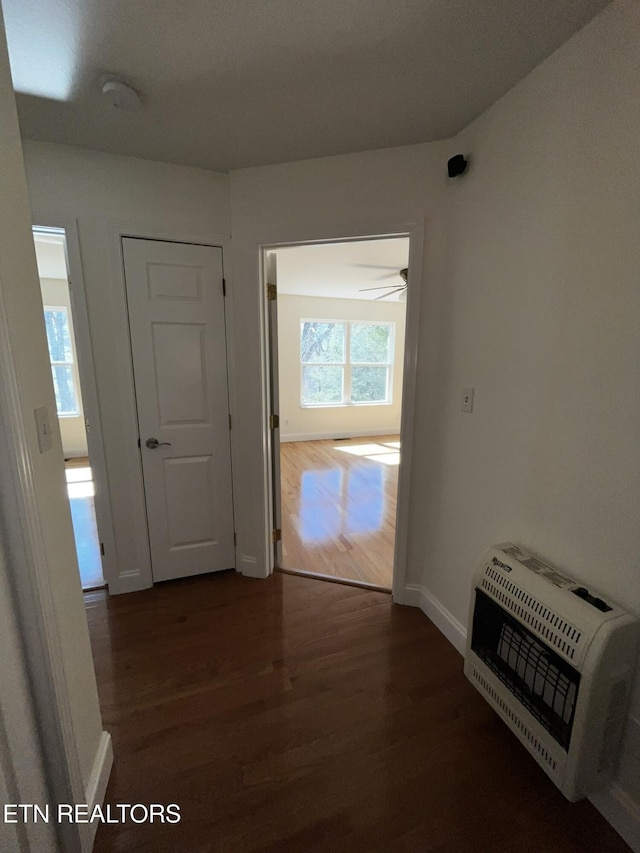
365,194
102,193
55,292
298,423
530,294
56,570
538,309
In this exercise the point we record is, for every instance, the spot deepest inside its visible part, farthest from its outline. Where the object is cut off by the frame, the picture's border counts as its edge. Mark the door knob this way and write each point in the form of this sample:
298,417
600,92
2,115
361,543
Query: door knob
152,443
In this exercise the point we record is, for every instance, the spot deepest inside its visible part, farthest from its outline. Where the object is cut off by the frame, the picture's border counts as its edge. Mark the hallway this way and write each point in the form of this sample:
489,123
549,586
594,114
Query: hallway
294,716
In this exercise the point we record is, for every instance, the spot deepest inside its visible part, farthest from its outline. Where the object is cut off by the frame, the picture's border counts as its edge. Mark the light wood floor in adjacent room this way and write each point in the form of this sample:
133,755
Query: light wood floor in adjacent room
339,507
292,716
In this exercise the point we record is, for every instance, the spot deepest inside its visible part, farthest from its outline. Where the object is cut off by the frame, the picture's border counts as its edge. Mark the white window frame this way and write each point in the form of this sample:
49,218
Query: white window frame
347,364
72,364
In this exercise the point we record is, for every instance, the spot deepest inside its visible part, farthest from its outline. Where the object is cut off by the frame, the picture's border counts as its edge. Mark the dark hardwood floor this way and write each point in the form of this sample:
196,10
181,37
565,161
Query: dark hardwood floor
292,716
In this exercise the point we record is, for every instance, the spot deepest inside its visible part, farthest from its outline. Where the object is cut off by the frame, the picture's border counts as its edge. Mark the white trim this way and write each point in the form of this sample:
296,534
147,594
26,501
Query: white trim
436,612
337,434
412,596
414,230
97,787
88,388
444,620
27,555
621,812
248,566
409,372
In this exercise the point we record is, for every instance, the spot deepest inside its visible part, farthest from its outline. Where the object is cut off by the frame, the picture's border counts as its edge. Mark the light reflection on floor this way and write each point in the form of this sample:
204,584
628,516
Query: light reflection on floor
350,501
388,452
81,491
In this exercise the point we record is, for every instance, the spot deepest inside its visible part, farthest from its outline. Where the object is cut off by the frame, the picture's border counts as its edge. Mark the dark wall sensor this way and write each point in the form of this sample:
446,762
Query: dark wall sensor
456,165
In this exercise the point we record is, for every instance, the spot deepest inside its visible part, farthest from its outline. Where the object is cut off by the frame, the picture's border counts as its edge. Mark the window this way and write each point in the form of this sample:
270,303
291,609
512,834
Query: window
61,357
345,363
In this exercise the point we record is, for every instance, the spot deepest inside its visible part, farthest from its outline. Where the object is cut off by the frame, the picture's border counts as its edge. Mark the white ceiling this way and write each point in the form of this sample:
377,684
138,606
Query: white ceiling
50,255
234,83
340,270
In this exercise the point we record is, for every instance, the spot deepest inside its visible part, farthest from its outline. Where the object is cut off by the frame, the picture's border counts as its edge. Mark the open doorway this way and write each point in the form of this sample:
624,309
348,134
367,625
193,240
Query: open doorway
51,255
340,351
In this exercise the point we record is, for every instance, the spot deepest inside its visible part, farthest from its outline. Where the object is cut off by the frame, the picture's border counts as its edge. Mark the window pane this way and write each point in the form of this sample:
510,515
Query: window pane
66,400
58,334
368,384
370,344
322,342
321,384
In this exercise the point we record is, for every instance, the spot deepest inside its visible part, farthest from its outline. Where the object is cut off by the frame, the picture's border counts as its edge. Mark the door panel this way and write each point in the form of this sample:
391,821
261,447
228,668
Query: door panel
178,343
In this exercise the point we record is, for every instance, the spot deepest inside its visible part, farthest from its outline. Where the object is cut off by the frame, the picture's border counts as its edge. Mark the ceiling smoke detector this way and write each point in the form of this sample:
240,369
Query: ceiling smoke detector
120,94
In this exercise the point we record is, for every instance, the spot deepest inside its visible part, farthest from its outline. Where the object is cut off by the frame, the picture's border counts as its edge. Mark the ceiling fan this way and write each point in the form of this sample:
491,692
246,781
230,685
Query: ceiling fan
398,288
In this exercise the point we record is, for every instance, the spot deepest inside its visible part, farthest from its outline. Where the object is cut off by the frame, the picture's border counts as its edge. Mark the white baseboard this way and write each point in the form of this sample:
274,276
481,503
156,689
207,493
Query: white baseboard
615,805
128,582
97,788
621,812
446,622
338,433
412,596
249,567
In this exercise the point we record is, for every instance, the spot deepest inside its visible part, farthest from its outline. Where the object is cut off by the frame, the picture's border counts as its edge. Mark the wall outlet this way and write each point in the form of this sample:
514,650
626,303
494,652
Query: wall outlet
467,400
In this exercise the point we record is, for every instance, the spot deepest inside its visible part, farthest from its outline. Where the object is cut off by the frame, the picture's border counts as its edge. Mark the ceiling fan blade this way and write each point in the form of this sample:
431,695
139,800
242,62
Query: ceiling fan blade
389,293
375,267
379,287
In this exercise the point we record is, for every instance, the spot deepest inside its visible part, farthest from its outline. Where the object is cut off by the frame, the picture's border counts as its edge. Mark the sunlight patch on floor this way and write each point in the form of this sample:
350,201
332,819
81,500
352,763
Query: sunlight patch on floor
386,458
388,452
359,449
79,475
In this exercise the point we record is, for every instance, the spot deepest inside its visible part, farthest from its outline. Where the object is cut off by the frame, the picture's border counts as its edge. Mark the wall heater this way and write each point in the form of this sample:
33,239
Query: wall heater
556,661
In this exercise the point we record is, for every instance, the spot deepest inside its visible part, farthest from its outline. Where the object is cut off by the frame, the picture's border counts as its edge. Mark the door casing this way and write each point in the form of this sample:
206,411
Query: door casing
415,232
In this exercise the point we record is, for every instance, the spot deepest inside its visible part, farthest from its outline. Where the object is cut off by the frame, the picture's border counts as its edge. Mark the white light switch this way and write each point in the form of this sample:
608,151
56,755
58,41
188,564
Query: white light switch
467,400
43,428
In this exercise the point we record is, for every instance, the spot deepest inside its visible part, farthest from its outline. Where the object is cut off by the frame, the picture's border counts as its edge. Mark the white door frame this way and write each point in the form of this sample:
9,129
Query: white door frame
88,389
25,553
134,550
415,232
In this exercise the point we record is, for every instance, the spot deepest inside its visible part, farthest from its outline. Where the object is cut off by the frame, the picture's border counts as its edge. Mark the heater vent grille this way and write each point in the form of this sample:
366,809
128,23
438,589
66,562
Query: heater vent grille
548,624
524,730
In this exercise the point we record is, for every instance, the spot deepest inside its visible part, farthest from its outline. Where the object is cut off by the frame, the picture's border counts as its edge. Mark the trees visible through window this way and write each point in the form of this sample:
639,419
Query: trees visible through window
61,357
345,363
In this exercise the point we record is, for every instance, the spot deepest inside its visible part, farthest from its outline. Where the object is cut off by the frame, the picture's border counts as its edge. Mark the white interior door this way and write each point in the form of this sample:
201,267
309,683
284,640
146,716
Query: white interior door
178,341
271,274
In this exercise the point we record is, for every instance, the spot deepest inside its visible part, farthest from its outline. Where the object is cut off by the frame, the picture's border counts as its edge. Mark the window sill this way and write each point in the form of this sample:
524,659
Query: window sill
343,405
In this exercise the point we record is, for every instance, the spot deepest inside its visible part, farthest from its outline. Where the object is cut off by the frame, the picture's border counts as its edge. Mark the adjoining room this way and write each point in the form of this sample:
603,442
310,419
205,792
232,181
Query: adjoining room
59,324
341,332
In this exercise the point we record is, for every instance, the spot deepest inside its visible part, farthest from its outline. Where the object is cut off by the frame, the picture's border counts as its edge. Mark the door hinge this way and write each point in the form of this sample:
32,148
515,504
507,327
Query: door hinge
272,292
102,548
235,538
229,421
139,445
224,287
276,535
274,421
